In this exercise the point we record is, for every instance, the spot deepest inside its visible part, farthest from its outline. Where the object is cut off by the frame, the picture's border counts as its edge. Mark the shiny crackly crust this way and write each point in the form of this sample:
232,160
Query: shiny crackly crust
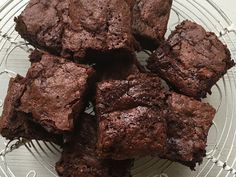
137,118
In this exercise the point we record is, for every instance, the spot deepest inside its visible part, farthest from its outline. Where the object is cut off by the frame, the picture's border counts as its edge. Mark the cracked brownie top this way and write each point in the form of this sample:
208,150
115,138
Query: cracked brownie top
138,117
74,27
131,123
16,124
56,92
192,60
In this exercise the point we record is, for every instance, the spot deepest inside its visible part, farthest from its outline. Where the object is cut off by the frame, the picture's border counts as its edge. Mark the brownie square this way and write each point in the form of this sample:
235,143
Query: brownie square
42,23
192,60
56,92
130,119
150,19
79,157
77,27
188,123
14,123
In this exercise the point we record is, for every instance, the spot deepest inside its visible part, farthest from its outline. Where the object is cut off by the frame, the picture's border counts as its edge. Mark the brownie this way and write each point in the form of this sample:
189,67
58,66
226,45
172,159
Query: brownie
42,23
14,123
138,117
76,27
191,60
56,92
131,123
79,157
149,22
188,123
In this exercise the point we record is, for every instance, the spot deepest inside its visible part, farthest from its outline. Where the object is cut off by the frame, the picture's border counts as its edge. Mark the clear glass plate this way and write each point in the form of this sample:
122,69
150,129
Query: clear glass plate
36,158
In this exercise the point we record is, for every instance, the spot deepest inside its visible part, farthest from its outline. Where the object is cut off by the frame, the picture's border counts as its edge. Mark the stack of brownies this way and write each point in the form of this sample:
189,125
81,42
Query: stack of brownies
86,52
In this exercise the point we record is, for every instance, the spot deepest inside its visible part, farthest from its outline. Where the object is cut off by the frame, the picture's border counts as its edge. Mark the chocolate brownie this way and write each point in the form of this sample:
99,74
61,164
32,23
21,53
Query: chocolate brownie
42,23
75,27
150,19
131,122
188,123
56,92
79,157
16,124
192,60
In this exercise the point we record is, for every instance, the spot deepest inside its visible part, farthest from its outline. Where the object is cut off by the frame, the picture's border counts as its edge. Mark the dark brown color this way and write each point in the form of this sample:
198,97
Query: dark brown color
56,92
79,158
118,68
188,123
150,19
16,124
130,121
77,27
192,60
42,23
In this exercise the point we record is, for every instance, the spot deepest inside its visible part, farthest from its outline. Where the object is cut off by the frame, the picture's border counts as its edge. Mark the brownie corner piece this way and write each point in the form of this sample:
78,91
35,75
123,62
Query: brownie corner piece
130,121
150,19
56,92
80,159
16,124
188,124
192,60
